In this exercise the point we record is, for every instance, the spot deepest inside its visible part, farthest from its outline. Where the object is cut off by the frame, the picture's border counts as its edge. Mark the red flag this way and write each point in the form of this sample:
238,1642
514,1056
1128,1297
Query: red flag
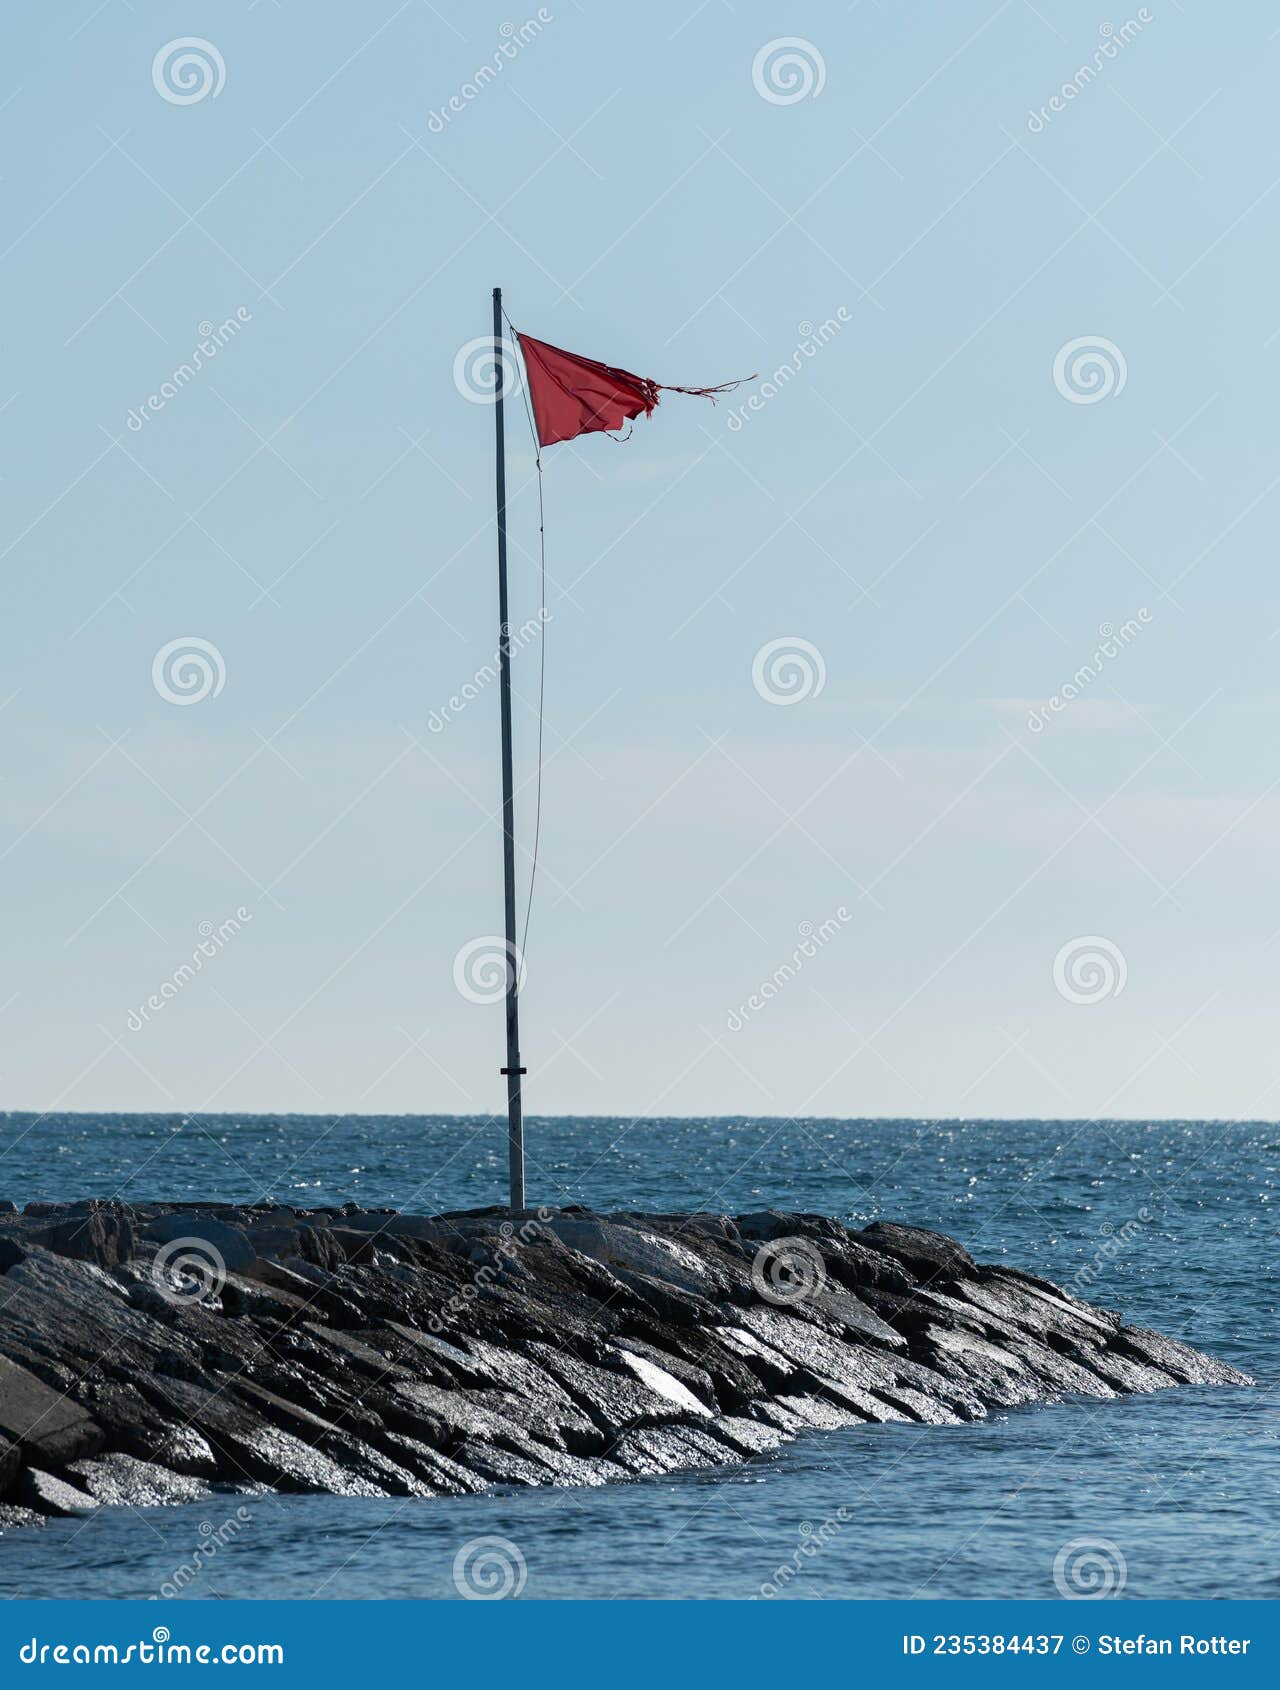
573,395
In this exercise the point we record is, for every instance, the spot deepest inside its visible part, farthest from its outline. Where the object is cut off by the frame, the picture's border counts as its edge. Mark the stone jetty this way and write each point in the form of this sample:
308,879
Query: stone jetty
153,1353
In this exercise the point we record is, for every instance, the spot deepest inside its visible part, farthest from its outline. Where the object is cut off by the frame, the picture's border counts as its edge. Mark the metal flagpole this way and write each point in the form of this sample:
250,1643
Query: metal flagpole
513,1070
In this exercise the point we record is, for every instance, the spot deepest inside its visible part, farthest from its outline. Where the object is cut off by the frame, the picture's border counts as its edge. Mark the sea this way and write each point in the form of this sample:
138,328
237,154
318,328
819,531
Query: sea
1171,1495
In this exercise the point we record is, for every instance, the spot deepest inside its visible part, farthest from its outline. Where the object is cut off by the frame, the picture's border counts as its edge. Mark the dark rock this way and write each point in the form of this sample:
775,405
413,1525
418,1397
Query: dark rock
104,1234
291,1416
250,1447
301,1284
793,1413
351,1436
548,1408
650,1254
696,1379
671,1449
664,1384
998,1376
537,1464
450,1418
354,1351
613,1399
495,1464
377,1468
435,1231
1044,1346
131,1425
854,1315
927,1255
361,1352
11,1252
349,1246
1180,1361
75,1313
1040,1308
861,1380
767,1225
1126,1374
858,1268
229,1243
769,1367
734,1375
273,1241
270,1302
445,1476
9,1459
706,1443
321,1245
748,1437
45,1427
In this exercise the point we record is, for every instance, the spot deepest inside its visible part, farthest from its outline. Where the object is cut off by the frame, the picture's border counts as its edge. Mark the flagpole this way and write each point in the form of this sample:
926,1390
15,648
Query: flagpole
513,1070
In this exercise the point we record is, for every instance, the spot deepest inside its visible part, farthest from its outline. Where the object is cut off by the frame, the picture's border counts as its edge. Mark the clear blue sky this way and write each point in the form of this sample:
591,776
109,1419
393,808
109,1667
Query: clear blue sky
921,502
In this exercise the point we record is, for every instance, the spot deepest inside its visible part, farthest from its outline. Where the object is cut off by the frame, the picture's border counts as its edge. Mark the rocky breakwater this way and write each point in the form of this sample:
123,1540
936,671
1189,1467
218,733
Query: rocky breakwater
152,1353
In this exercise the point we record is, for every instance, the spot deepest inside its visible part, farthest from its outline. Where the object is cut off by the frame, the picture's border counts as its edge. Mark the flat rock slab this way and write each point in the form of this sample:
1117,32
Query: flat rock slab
224,1243
250,1447
132,1426
43,1425
46,1493
139,1484
365,1353
926,1255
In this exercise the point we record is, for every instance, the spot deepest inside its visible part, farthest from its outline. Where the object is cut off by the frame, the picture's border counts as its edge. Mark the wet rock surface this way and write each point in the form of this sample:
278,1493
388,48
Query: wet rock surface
153,1353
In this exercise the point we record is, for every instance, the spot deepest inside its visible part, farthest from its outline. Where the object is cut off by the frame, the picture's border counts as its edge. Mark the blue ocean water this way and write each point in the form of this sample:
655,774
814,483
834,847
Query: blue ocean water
1172,1222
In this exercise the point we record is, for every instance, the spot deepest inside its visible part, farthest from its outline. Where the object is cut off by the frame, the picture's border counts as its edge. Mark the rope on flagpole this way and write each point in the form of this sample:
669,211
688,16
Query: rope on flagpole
542,649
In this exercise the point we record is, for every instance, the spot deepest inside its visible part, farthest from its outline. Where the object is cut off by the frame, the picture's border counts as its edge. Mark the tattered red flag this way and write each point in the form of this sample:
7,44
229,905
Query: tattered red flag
573,395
